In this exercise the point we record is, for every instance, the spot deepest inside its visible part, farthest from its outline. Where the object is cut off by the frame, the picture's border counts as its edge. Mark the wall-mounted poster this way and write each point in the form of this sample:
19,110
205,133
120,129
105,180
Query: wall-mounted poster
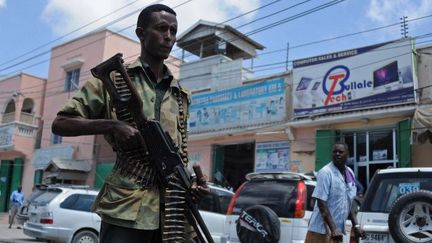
272,157
362,78
6,135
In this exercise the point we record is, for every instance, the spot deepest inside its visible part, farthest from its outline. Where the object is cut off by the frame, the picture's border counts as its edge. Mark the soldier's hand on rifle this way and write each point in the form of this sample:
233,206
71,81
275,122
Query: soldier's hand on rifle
127,136
199,184
199,189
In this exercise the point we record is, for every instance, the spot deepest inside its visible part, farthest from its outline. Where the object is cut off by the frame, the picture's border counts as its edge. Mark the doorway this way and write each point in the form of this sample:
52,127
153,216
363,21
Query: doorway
231,163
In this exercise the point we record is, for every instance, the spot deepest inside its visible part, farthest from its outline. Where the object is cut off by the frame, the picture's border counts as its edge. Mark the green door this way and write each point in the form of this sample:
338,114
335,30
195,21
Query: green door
218,164
323,147
5,170
404,143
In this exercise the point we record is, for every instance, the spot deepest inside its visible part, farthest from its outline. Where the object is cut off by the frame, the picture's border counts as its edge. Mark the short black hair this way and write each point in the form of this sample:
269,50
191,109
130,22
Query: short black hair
341,143
144,16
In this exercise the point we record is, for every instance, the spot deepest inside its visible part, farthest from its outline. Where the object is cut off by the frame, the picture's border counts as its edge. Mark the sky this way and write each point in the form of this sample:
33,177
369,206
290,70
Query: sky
29,29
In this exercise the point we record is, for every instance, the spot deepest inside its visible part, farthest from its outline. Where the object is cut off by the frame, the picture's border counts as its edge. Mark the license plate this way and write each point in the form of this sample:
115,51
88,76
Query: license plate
376,238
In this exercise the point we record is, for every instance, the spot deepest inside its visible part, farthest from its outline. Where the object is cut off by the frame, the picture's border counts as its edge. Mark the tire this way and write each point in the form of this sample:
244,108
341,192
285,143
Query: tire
258,224
410,218
85,236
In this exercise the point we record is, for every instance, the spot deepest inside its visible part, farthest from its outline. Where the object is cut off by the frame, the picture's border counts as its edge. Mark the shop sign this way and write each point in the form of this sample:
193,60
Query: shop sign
249,105
362,78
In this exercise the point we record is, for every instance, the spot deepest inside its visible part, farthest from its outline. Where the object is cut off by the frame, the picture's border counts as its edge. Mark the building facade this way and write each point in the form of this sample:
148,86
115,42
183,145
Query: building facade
21,106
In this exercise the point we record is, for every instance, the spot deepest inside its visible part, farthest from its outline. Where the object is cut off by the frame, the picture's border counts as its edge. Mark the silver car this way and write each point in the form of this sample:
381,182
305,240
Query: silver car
62,213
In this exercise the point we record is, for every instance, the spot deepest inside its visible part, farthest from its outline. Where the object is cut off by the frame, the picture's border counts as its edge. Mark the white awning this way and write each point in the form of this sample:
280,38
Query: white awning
422,125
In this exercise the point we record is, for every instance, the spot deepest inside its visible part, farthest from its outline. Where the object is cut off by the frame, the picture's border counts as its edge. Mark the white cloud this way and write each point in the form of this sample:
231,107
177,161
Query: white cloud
390,11
65,16
2,3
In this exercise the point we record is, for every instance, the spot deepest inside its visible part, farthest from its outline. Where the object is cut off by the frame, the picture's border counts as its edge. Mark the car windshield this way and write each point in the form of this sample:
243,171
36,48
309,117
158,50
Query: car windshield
387,188
279,195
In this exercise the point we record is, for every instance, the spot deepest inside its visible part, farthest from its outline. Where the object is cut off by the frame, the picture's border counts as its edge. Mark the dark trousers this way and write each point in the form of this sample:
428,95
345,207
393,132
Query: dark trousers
110,233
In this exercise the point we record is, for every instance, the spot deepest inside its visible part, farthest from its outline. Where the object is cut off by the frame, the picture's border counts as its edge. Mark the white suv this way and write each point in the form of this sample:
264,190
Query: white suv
397,206
63,213
289,195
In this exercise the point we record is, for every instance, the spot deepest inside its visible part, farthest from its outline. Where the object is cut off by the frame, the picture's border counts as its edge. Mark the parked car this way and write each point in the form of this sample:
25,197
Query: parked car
62,213
22,215
397,206
213,209
288,195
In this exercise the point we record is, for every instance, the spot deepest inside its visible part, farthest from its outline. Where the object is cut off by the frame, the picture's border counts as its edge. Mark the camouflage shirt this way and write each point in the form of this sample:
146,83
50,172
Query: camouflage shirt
121,201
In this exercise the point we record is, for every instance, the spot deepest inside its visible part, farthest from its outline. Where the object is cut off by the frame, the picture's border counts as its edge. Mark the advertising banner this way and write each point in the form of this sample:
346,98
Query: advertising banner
362,78
272,157
6,135
249,105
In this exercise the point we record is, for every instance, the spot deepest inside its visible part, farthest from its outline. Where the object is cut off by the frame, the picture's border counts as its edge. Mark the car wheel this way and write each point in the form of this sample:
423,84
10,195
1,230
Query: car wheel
85,236
258,224
410,219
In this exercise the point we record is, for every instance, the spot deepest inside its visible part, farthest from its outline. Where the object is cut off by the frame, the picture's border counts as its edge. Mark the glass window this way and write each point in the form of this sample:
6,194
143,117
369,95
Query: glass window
348,138
72,79
56,139
46,197
224,200
79,202
381,145
310,199
208,202
361,147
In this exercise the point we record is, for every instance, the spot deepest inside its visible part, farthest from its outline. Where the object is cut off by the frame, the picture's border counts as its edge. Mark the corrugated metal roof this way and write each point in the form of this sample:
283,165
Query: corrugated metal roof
70,164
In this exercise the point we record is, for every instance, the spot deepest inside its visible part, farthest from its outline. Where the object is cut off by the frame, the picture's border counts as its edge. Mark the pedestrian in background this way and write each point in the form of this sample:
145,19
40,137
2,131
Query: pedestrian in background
16,200
334,194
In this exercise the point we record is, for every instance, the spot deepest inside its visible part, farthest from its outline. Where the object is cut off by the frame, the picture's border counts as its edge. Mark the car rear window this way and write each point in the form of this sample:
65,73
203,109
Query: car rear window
79,202
387,188
46,196
279,195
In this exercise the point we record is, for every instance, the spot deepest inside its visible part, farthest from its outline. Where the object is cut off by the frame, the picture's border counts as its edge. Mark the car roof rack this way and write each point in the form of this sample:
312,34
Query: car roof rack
73,186
277,175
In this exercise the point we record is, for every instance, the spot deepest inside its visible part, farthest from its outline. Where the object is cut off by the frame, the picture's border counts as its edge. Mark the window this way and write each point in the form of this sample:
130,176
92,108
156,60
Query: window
72,80
79,202
388,188
224,199
56,139
46,197
370,151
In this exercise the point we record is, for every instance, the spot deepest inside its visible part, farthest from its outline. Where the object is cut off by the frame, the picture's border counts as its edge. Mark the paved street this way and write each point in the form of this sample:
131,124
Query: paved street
13,234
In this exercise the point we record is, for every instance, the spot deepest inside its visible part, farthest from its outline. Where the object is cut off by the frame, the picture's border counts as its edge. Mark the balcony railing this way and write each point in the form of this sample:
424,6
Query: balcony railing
25,117
8,117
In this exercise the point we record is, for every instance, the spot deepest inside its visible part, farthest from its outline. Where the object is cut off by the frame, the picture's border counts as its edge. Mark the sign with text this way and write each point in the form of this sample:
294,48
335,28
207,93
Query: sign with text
362,78
250,105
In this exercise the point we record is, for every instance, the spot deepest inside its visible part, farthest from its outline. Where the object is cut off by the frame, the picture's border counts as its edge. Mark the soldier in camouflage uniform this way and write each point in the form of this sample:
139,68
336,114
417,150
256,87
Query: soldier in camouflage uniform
129,204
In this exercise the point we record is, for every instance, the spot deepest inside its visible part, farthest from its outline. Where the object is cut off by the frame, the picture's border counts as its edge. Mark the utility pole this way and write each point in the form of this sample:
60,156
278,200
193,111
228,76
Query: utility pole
287,57
404,26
